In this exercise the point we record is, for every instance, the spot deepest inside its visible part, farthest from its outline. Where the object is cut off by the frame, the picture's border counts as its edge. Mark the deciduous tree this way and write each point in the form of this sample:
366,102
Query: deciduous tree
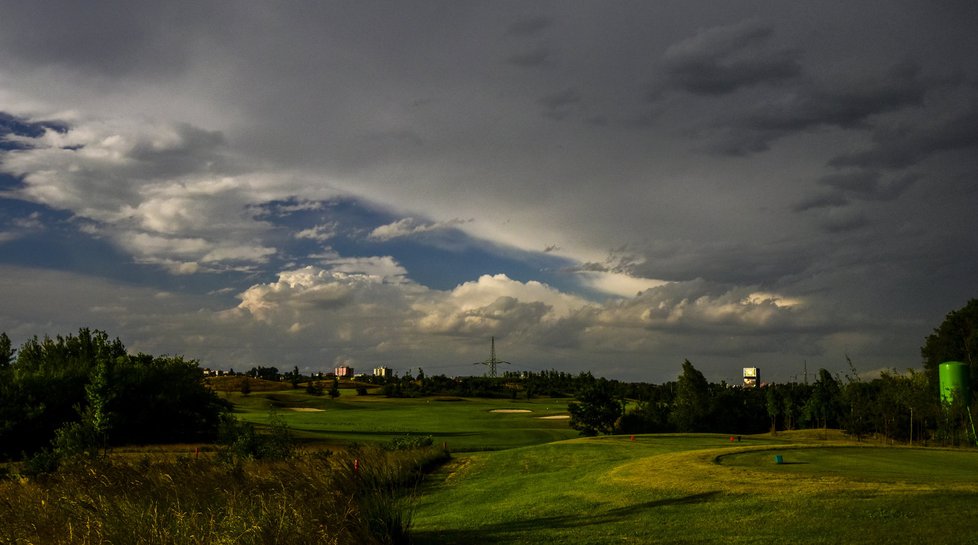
691,409
956,339
597,408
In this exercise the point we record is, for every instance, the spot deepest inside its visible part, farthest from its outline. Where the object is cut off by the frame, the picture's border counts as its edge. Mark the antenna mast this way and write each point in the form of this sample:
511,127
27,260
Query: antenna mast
492,361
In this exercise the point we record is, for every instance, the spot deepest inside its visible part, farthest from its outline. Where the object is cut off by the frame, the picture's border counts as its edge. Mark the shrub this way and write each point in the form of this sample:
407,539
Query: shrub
242,441
407,442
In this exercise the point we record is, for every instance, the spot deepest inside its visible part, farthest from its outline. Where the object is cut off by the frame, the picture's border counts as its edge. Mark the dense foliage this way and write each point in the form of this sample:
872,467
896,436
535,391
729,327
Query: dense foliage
956,339
597,409
87,392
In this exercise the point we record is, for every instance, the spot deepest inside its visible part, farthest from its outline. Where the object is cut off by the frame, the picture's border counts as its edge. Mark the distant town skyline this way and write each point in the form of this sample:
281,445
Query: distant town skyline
604,187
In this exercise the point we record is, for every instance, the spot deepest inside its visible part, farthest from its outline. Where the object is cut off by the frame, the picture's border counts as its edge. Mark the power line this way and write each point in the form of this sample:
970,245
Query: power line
492,361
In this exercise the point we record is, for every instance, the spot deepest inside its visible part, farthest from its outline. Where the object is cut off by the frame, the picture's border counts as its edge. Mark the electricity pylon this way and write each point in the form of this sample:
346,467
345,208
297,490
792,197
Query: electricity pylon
492,361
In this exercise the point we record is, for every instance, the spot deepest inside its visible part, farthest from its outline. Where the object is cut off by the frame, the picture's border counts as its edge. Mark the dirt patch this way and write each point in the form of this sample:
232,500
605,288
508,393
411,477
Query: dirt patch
306,410
555,417
511,411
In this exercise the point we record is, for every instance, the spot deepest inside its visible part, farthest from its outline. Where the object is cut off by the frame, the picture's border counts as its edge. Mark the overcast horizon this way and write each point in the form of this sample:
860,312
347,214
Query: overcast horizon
604,187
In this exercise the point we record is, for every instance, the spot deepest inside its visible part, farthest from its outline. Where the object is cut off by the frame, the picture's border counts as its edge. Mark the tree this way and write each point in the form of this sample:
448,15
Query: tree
691,408
824,404
85,392
334,390
98,394
6,351
772,402
596,410
956,339
314,388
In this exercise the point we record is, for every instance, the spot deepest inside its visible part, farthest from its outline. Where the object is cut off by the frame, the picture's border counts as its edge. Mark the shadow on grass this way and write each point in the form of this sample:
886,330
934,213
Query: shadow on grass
510,531
387,433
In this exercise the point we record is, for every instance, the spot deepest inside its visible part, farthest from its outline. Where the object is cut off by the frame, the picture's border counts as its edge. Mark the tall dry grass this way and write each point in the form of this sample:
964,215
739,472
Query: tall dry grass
306,500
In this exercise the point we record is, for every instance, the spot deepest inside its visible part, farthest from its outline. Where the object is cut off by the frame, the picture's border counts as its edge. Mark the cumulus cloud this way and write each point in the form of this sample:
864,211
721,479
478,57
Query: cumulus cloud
367,311
319,233
495,304
384,268
410,226
619,284
161,192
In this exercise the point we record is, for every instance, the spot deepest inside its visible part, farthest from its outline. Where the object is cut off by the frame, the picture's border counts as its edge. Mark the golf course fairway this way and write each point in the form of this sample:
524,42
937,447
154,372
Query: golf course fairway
702,489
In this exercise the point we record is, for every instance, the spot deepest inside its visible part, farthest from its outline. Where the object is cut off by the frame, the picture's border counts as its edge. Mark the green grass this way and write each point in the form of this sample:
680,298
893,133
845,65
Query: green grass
461,424
702,489
519,479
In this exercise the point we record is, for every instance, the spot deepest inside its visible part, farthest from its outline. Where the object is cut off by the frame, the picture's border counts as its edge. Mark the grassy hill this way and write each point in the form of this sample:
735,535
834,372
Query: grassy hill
521,476
702,489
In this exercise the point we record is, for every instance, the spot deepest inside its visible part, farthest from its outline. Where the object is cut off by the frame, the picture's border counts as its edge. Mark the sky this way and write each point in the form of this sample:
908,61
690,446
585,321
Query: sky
612,187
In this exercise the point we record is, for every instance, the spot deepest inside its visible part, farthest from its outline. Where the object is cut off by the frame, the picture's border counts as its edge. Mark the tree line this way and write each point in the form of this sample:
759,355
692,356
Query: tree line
87,392
895,406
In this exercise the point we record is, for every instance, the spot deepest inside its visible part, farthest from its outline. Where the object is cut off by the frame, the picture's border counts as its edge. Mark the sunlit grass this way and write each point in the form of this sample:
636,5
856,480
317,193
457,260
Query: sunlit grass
703,489
461,424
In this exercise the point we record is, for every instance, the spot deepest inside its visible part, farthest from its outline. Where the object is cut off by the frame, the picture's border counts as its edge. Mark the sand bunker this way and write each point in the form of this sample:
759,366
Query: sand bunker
306,410
555,417
511,411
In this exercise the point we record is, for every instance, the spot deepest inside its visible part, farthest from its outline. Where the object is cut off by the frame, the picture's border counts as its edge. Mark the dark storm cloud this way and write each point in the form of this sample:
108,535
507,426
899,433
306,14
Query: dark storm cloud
721,60
529,27
868,185
841,220
727,263
841,103
826,200
906,145
539,57
561,104
815,104
151,38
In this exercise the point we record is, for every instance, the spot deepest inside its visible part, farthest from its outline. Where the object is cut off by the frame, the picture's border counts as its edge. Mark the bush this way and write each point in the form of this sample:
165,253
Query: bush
242,441
43,462
315,388
408,442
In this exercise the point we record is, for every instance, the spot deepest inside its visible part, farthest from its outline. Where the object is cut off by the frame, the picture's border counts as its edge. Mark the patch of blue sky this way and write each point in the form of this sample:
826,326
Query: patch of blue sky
439,259
39,237
13,125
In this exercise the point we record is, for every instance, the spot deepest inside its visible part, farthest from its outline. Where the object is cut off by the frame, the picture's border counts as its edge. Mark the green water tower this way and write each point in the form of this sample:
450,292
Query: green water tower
955,382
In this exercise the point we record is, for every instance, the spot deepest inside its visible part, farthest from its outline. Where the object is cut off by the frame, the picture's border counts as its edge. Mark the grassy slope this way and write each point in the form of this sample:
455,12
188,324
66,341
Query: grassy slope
702,489
464,424
657,489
